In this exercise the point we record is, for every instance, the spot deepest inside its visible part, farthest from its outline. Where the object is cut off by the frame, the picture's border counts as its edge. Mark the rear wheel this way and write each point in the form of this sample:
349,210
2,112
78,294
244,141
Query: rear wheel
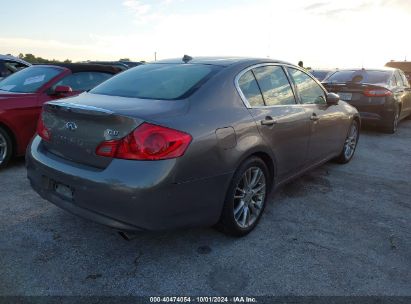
245,199
350,144
392,125
6,148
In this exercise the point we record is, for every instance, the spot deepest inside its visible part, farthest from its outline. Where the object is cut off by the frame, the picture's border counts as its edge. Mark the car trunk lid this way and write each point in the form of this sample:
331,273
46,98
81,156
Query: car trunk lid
352,91
76,131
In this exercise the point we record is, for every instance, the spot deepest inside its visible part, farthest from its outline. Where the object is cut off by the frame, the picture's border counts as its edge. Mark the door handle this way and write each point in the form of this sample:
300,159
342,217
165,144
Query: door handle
268,121
314,117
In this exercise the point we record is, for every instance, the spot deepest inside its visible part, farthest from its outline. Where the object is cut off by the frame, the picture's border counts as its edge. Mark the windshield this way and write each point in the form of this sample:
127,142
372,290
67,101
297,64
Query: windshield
360,76
158,81
29,80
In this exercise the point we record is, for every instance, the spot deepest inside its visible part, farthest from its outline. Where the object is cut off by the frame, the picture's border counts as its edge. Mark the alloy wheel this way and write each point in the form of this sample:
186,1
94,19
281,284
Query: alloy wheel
351,141
249,197
395,121
3,148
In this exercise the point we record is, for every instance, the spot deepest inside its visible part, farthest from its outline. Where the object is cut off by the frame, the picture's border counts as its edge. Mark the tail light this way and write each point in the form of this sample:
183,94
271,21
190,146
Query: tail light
377,92
42,131
147,142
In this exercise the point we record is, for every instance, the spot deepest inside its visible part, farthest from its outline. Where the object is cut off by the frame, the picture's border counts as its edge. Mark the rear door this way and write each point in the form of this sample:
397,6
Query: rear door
283,123
328,128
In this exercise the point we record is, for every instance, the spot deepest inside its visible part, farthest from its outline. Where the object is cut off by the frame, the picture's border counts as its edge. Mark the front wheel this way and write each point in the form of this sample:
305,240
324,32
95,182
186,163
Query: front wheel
245,199
350,144
6,148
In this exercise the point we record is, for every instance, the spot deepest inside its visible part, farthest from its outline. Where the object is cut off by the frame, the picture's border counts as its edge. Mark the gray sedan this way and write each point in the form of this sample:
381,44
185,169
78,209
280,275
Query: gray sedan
191,142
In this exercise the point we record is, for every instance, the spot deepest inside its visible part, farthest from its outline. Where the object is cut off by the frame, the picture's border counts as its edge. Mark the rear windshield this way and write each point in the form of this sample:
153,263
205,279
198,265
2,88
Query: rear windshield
29,80
360,76
158,81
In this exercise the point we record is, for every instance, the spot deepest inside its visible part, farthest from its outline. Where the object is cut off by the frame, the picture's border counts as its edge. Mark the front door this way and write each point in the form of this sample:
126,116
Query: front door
328,125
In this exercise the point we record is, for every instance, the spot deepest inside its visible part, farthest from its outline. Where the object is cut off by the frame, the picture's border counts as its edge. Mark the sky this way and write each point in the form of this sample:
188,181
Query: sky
322,33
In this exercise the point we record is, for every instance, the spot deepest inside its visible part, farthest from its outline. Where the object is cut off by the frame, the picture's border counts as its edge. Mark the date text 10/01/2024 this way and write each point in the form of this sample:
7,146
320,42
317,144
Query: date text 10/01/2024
203,300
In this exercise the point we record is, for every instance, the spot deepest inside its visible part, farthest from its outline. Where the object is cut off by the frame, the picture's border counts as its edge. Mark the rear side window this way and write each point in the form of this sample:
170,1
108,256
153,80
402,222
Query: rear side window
83,81
249,87
360,76
274,85
158,81
309,90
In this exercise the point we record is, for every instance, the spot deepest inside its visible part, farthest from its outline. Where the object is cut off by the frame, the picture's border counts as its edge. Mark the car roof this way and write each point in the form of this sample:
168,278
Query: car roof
8,57
220,61
84,67
403,65
383,69
322,70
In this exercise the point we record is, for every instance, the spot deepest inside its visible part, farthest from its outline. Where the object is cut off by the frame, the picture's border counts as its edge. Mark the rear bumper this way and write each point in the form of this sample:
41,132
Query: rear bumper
375,114
128,195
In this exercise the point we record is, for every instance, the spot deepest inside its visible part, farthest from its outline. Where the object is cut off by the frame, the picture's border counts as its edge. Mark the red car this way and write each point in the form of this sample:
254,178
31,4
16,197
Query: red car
22,95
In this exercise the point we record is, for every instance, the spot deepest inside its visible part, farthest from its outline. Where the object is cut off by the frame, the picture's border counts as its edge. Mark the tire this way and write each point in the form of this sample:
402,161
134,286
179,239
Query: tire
350,144
392,125
6,148
245,199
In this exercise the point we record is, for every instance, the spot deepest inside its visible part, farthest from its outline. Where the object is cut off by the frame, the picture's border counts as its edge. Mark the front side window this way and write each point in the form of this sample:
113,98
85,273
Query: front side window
249,87
274,85
29,80
158,81
309,90
83,81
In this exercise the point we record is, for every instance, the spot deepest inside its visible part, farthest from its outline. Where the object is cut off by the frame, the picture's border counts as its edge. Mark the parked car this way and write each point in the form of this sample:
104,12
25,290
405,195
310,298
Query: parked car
321,74
10,65
123,65
382,96
22,95
187,143
404,66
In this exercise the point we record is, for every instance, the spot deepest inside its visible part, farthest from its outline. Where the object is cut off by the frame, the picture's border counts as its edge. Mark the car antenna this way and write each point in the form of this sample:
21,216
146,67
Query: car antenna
187,58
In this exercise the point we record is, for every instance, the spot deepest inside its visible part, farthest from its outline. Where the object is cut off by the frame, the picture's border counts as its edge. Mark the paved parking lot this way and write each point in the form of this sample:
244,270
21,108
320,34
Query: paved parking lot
339,230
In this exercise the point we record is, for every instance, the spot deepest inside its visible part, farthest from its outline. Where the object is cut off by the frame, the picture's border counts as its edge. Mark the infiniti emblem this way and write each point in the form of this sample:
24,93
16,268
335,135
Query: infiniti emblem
71,126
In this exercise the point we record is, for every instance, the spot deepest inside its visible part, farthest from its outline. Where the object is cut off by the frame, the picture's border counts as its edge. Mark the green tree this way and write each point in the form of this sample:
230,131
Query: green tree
33,59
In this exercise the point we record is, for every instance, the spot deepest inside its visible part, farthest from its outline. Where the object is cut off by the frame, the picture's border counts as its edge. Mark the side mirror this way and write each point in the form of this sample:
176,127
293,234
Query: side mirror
61,90
332,99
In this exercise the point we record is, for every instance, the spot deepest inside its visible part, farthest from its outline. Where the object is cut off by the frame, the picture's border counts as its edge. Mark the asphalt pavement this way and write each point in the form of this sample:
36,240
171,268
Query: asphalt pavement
338,230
